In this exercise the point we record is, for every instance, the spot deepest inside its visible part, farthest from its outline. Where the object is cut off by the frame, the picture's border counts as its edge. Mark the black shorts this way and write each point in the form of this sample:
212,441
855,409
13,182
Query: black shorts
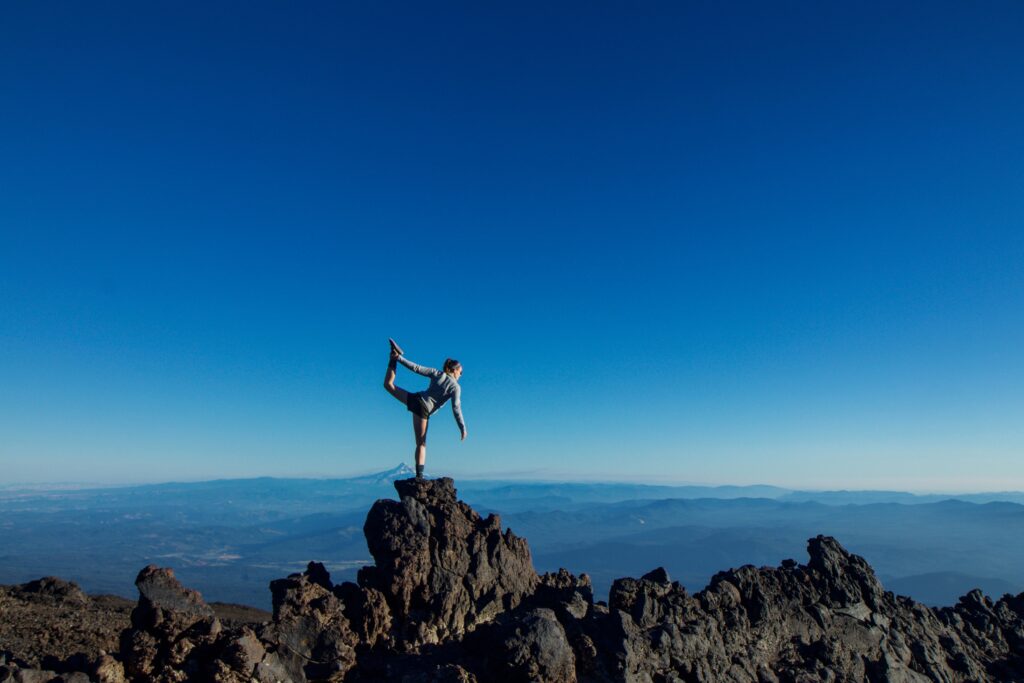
414,402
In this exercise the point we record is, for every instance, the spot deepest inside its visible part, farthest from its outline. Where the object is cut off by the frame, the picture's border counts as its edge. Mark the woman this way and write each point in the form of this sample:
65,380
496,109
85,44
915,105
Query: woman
443,385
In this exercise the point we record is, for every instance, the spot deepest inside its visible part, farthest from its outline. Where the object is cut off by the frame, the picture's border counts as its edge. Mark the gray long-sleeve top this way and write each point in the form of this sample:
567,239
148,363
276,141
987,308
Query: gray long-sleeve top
442,387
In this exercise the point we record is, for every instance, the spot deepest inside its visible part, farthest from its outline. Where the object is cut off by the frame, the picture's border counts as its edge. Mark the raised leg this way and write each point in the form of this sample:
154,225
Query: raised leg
419,430
389,382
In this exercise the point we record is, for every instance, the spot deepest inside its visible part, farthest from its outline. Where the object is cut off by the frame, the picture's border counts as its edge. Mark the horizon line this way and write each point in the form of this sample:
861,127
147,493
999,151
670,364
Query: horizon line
501,477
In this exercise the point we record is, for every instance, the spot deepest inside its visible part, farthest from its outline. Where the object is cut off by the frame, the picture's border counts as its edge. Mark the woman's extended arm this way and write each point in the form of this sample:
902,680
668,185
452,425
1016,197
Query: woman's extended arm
457,410
419,369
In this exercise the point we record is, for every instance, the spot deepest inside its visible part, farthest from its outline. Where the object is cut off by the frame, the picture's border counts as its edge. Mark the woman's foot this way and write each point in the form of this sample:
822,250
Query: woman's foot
396,350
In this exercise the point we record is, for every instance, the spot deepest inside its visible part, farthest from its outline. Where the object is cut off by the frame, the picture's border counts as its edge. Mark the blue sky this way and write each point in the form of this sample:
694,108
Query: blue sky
689,242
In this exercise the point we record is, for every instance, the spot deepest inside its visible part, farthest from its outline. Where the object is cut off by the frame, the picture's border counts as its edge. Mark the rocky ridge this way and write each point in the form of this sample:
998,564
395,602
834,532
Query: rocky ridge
451,597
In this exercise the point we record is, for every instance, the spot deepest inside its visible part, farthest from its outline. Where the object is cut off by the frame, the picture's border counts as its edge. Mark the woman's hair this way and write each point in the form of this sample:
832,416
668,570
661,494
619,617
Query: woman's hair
450,364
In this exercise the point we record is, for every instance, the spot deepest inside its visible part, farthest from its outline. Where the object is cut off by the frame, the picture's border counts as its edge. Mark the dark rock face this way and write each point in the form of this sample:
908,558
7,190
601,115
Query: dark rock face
58,589
442,568
454,599
314,634
828,620
532,647
310,631
173,631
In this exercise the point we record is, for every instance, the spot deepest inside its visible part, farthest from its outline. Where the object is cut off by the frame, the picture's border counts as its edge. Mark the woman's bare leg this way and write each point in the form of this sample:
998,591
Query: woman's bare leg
419,430
389,382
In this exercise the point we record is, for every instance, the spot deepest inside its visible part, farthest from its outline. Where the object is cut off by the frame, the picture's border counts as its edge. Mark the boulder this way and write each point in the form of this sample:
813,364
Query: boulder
56,588
531,647
173,630
310,636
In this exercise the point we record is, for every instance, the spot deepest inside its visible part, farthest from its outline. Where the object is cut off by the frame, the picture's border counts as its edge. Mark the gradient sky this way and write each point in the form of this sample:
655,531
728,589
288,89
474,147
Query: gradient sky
686,242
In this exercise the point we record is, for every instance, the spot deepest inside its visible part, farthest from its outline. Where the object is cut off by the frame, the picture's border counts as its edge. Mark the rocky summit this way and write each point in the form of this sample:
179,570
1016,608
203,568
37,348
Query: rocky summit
453,597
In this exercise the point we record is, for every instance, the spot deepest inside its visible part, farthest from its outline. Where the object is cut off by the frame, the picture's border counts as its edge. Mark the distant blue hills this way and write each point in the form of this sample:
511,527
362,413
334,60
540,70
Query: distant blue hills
498,489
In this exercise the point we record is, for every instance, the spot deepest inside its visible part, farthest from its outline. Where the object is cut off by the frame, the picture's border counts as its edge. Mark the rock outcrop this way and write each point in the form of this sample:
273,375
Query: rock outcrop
441,567
452,597
173,630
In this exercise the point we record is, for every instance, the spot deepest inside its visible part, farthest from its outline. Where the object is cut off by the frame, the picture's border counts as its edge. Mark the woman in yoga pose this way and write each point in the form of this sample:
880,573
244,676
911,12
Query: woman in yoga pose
443,386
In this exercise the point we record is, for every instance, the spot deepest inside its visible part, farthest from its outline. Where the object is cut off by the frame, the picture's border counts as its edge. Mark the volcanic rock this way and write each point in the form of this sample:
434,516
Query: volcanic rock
61,591
310,631
442,568
173,629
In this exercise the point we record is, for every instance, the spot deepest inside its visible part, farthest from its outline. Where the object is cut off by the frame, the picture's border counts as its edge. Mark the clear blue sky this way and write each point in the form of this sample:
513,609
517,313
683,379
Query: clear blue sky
704,242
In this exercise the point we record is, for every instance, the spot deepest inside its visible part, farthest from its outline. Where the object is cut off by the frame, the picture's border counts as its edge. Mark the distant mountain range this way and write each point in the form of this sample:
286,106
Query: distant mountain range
498,490
230,537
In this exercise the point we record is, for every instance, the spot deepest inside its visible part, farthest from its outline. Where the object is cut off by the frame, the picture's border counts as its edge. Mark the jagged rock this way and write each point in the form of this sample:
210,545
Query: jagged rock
56,588
310,634
531,647
440,566
649,600
175,635
240,655
108,670
173,630
167,607
367,611
845,578
274,670
827,620
294,595
571,597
